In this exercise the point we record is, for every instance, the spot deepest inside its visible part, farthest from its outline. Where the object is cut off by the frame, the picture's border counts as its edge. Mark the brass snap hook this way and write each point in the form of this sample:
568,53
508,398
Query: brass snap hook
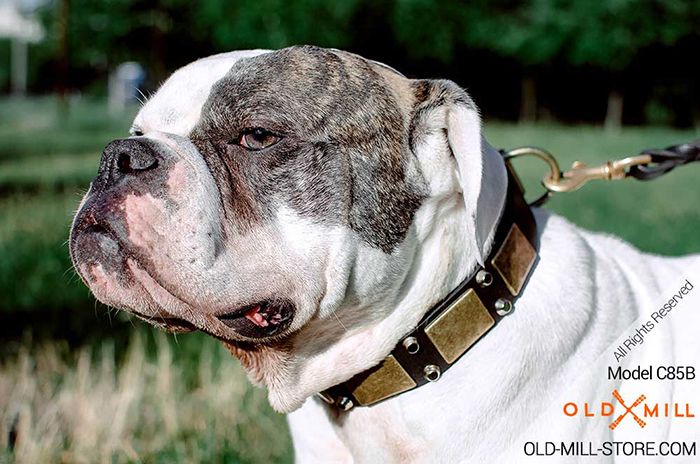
579,174
554,172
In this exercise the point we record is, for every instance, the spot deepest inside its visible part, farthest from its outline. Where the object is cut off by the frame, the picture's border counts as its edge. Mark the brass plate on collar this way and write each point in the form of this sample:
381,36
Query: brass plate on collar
387,379
514,259
459,326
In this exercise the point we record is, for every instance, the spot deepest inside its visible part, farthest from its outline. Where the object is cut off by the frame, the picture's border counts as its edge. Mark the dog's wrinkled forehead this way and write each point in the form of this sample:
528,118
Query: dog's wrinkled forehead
309,91
343,156
176,107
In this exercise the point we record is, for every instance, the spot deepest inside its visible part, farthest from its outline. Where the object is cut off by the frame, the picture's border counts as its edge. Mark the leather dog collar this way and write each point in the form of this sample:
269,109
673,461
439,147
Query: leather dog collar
460,320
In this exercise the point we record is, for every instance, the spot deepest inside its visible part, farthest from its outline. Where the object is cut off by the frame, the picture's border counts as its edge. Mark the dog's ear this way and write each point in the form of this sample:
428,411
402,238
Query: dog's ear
480,169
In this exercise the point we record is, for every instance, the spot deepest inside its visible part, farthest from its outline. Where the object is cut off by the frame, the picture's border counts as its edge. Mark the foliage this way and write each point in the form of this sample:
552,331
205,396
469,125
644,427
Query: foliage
105,33
610,34
277,23
596,42
429,29
607,34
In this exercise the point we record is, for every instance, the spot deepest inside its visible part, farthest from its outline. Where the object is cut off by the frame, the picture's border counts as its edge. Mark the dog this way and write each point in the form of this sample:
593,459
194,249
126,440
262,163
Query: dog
308,206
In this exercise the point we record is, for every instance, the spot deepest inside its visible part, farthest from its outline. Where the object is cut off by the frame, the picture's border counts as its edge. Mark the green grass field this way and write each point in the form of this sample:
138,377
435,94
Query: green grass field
81,384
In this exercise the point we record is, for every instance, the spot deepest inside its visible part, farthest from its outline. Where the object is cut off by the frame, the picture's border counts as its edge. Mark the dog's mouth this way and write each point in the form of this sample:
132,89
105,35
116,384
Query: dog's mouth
109,264
260,320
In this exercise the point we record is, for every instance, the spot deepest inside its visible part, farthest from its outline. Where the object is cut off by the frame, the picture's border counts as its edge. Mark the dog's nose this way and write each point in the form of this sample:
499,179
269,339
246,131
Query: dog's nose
128,156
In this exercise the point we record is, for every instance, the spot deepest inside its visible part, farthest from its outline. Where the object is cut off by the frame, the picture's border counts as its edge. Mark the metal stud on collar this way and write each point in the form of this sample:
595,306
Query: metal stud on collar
345,403
484,278
411,345
503,307
432,373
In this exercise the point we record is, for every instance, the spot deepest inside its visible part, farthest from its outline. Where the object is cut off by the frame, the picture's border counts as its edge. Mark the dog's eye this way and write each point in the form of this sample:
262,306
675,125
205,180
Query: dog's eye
258,139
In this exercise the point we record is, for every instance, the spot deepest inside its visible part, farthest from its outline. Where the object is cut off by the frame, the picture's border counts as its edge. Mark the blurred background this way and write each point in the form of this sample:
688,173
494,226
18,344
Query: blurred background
80,382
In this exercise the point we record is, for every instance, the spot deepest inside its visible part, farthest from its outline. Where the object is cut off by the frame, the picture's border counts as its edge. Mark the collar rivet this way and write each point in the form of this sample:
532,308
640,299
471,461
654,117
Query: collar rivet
411,345
431,373
503,307
345,403
484,278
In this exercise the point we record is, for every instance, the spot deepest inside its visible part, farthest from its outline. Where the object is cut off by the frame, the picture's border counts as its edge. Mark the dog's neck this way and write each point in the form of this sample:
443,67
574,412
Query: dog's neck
442,254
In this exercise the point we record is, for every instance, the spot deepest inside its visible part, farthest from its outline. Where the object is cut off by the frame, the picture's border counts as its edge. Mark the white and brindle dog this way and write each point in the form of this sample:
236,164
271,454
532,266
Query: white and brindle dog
307,207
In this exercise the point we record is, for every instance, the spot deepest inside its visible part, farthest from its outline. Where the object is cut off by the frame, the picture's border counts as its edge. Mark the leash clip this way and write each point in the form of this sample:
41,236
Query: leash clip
573,179
579,173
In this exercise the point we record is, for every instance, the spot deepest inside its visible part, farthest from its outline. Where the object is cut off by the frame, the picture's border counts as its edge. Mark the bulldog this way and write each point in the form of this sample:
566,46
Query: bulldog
308,206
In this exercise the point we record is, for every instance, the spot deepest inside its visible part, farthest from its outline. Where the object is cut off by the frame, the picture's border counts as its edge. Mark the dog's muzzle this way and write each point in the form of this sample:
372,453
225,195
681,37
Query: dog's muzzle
99,233
143,235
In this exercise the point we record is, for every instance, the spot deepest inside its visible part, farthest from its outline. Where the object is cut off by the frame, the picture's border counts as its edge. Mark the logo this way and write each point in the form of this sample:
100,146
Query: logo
639,401
634,410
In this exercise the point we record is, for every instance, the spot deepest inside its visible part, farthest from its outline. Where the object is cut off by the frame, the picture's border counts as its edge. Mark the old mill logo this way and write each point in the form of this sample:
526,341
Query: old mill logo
639,401
636,409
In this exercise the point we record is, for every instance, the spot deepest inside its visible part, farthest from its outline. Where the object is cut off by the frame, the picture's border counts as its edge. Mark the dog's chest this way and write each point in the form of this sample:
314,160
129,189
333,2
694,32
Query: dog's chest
382,437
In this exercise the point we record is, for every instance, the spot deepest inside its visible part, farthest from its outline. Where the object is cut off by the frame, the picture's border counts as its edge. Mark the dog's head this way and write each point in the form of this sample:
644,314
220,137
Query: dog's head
279,200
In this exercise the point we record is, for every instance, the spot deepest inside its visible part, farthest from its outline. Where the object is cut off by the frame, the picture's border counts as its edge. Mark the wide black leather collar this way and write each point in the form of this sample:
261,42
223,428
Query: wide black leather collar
453,326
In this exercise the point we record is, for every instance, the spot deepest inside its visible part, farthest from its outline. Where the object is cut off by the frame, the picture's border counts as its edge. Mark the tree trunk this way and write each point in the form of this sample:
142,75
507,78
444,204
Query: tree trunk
19,67
528,100
160,26
613,116
62,66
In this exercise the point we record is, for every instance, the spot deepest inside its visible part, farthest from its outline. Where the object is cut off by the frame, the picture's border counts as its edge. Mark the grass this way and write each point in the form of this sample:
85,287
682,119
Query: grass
47,160
96,406
43,128
32,243
79,384
55,173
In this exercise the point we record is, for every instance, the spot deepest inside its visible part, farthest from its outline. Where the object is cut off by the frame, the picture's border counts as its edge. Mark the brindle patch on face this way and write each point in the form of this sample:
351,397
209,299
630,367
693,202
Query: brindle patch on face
343,156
